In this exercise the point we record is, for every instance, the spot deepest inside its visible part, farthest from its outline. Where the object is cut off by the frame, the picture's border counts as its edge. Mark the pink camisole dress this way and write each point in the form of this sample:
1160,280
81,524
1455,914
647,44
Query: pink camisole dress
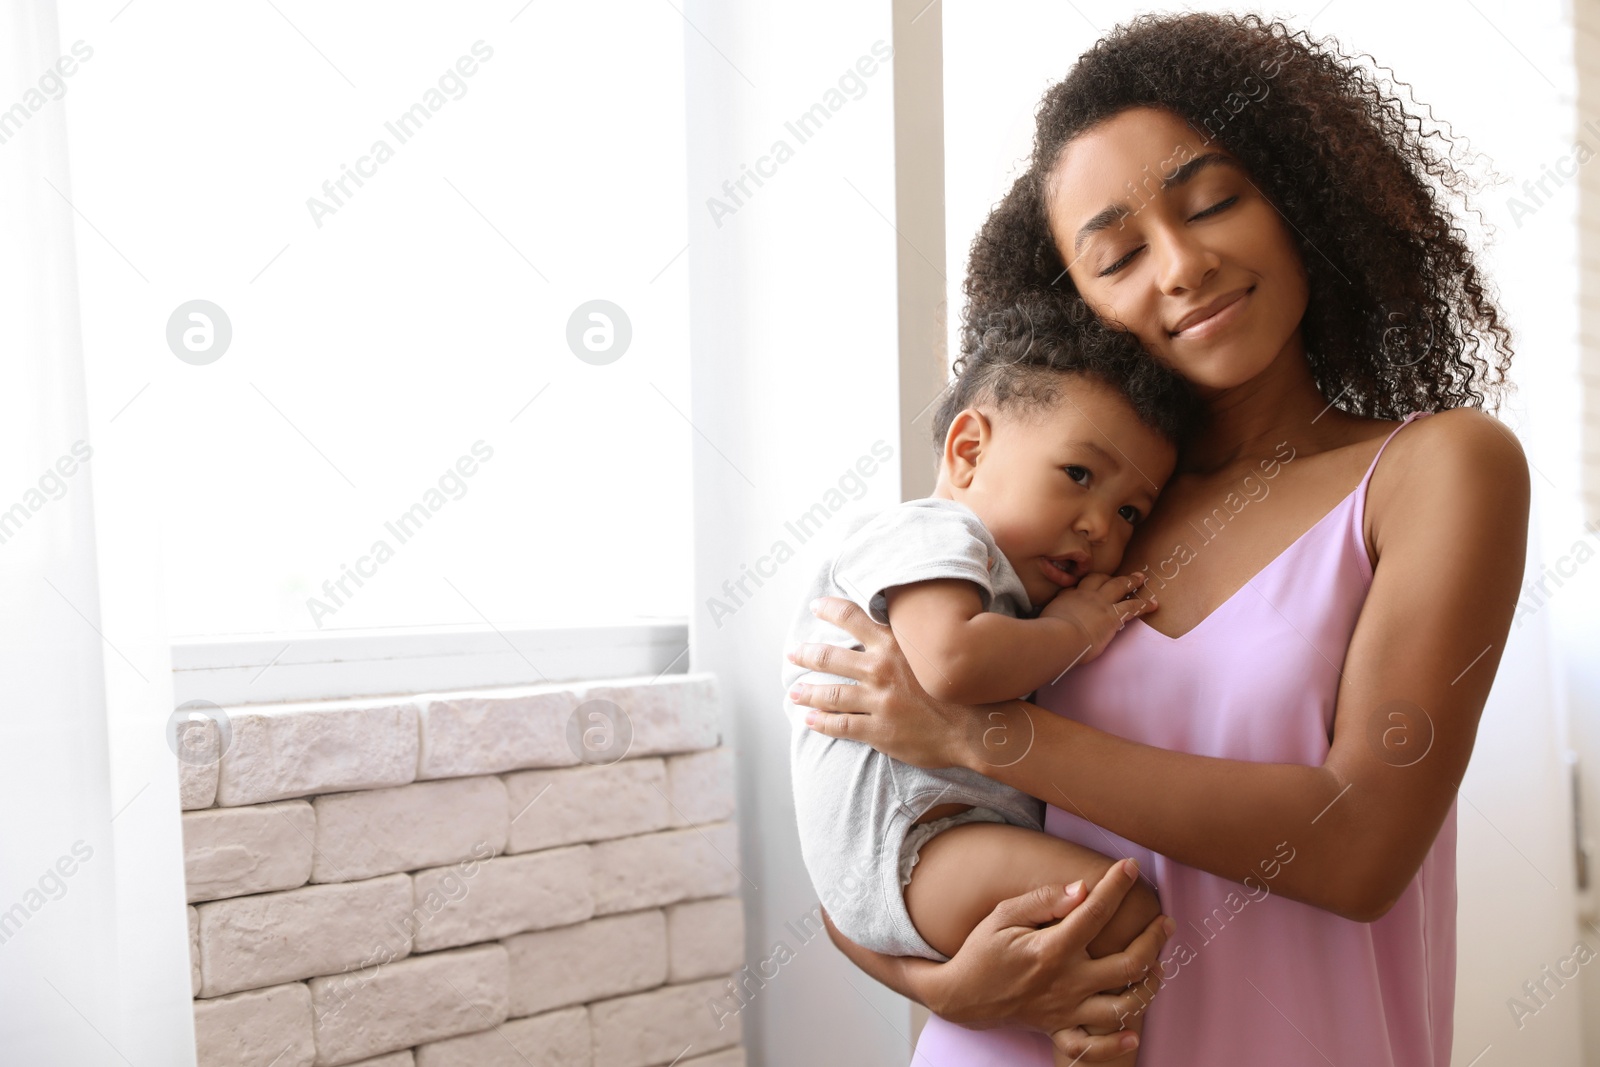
1255,979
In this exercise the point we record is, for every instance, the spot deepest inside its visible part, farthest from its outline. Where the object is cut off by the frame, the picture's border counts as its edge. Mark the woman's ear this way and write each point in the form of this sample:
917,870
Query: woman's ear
964,445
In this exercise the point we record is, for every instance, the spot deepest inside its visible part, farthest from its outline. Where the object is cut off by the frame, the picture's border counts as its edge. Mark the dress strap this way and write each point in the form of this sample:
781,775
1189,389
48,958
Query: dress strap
1374,465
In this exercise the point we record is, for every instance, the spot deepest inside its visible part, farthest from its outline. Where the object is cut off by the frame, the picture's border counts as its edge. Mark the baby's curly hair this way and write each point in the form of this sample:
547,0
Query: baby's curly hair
1399,318
1023,355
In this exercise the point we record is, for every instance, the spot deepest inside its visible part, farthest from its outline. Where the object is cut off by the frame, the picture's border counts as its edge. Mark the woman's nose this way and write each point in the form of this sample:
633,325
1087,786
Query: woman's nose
1183,262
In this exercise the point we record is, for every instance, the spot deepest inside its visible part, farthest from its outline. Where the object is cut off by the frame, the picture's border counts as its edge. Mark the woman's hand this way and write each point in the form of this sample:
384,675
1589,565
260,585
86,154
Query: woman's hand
1010,973
887,708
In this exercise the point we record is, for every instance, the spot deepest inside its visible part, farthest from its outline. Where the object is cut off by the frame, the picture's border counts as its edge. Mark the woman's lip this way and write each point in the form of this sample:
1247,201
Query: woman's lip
1218,319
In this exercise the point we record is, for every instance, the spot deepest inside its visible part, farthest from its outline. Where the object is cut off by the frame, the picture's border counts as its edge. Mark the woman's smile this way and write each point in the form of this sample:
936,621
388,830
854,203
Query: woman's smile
1213,318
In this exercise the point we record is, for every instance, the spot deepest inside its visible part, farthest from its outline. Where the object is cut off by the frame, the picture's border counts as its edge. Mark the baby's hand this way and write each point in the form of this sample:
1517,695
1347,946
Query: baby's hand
1101,605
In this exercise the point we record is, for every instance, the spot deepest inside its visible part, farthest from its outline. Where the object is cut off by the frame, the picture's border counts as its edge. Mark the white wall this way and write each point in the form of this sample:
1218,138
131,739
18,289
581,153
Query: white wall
793,367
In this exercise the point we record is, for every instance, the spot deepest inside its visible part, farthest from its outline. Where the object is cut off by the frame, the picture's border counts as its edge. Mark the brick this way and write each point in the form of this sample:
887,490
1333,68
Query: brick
701,787
673,714
520,727
652,1028
705,938
296,750
731,1057
194,950
665,867
199,741
482,734
262,940
589,961
574,804
231,852
559,1039
427,824
255,1029
502,896
409,1002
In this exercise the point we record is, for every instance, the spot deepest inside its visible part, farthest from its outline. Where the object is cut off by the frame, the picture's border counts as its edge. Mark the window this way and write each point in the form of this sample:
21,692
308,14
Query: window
400,293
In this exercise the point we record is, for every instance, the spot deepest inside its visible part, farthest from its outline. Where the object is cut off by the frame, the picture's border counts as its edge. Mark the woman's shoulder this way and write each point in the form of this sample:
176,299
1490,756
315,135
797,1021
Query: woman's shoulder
1457,441
1458,465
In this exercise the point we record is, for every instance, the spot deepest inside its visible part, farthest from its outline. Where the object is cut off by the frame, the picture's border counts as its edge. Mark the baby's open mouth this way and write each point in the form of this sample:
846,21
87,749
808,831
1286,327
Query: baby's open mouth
1065,569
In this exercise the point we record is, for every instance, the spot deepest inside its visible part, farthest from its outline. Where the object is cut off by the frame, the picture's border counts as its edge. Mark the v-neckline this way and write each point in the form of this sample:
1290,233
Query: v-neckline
1250,581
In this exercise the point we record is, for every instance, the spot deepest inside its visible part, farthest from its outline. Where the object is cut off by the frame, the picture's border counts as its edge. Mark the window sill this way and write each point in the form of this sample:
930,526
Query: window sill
264,669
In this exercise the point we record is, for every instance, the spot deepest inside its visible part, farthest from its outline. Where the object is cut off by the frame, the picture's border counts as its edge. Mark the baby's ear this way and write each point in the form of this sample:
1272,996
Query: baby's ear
964,444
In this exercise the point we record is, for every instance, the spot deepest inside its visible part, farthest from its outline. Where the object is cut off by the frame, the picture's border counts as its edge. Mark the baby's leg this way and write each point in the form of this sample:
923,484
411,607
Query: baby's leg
964,872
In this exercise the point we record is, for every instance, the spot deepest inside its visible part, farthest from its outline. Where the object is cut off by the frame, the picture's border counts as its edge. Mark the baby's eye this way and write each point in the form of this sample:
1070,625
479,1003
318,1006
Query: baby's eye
1131,513
1076,473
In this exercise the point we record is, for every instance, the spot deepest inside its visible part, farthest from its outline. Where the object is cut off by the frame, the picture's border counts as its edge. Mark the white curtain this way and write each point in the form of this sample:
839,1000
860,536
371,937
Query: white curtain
94,962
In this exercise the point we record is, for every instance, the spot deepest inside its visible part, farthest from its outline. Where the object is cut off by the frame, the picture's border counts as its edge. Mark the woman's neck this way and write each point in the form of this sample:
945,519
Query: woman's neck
1251,420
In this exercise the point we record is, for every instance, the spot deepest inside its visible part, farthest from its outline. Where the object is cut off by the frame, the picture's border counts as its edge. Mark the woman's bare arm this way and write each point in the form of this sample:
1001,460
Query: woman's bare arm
1451,540
911,976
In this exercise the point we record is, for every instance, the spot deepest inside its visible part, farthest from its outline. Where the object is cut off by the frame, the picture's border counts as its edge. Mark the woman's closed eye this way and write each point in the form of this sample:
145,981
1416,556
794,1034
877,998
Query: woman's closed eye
1212,210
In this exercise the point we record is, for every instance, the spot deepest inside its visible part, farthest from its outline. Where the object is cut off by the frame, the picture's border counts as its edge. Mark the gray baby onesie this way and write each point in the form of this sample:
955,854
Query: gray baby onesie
853,804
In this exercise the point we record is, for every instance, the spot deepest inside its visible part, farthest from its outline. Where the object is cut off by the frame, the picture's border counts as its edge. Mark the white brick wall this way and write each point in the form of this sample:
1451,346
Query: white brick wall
706,938
428,824
505,896
588,803
663,868
576,964
658,1026
700,785
439,881
229,852
254,941
270,1025
298,750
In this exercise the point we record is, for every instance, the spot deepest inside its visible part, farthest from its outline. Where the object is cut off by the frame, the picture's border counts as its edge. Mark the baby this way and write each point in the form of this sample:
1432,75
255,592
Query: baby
994,586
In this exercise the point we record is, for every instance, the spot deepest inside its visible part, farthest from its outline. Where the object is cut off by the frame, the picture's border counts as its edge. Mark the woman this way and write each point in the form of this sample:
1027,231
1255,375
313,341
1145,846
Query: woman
1279,744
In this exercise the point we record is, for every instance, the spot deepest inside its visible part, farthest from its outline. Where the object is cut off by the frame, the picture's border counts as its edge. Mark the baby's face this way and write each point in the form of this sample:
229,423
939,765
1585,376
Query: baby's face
1061,488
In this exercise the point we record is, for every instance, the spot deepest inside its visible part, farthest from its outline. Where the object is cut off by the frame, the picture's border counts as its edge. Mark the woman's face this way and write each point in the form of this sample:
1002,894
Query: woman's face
1204,271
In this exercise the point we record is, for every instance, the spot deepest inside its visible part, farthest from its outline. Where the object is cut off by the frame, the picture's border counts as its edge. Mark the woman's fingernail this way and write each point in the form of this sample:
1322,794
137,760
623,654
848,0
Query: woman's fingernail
1131,865
812,718
1130,1041
814,604
1074,889
1168,926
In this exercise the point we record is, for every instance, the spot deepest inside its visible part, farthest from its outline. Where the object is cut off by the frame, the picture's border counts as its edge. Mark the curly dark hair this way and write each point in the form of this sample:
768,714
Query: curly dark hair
1023,355
1399,318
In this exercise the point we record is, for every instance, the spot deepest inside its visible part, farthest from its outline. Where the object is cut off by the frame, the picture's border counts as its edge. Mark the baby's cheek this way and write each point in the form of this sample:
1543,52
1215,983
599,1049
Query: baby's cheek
1115,549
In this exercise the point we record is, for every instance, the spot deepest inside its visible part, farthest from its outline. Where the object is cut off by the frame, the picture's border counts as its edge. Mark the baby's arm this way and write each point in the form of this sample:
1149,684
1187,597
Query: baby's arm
963,654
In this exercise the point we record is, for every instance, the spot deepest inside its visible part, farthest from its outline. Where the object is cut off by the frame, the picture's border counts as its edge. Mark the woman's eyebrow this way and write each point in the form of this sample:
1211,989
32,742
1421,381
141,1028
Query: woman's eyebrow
1104,218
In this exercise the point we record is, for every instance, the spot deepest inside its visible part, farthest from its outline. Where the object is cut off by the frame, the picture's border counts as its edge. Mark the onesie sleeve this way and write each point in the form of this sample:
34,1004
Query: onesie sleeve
917,541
